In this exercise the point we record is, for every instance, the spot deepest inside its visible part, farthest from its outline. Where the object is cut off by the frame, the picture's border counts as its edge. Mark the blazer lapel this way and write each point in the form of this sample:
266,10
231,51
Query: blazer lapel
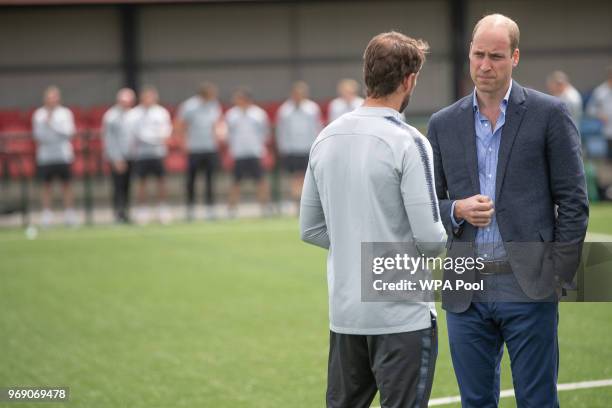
514,117
467,133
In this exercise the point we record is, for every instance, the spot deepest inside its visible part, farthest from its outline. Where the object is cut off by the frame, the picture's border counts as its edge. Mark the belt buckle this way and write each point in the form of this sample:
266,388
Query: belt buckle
492,266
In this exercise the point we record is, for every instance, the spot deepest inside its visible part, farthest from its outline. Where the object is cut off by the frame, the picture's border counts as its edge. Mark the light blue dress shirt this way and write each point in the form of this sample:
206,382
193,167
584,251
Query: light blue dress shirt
489,245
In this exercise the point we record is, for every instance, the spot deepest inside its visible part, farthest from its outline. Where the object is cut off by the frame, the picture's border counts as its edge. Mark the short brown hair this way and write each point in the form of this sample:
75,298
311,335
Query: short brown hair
300,86
206,89
52,88
149,88
243,92
558,77
499,19
388,59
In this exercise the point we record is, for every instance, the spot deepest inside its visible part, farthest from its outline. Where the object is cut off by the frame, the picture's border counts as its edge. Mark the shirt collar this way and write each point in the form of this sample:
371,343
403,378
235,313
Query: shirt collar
377,111
296,105
503,103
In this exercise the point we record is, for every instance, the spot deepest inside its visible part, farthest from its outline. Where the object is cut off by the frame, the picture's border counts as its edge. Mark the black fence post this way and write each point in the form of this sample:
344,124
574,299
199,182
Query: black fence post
129,45
276,176
88,201
458,43
25,198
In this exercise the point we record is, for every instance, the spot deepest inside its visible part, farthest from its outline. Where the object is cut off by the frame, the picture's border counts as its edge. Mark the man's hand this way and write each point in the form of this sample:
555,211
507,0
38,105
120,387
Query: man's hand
602,118
477,210
220,131
120,166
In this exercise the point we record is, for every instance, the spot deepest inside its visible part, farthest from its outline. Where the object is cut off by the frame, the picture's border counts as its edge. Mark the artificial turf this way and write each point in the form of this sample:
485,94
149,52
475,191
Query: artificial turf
221,314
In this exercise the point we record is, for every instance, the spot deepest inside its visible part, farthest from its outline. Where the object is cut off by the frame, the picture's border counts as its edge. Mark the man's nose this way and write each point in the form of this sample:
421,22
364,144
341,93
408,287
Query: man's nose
486,65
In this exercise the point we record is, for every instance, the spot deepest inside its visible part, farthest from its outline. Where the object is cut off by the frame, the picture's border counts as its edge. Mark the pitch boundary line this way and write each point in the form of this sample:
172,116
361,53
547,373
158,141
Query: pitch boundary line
213,228
510,392
597,237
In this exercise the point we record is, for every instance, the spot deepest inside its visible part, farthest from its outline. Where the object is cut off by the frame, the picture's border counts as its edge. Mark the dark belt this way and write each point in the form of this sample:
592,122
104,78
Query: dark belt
496,268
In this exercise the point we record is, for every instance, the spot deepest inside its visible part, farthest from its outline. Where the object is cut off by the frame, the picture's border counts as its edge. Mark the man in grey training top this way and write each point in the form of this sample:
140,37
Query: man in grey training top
53,128
370,179
348,99
299,123
116,149
248,130
197,119
150,127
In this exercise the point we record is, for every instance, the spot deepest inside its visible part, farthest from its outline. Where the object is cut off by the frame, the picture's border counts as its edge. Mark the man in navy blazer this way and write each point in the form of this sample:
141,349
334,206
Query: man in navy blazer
511,187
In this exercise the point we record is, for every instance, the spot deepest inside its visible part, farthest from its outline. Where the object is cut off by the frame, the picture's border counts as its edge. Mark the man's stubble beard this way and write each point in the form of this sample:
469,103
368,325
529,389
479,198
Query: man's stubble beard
405,103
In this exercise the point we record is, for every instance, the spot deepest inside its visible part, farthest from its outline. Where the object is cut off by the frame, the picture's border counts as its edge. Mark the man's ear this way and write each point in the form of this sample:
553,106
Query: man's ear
410,81
515,58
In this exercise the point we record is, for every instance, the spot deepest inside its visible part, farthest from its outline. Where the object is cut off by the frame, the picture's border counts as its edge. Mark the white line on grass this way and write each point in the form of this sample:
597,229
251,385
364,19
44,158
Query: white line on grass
153,229
595,237
510,393
215,228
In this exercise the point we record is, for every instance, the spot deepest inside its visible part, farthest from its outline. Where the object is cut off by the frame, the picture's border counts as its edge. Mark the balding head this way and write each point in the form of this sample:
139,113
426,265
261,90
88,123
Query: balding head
347,88
299,91
559,77
243,98
52,96
149,96
494,54
557,82
496,21
126,98
208,91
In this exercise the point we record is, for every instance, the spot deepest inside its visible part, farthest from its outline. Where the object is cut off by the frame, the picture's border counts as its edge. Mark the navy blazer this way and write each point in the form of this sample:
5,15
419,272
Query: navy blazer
540,189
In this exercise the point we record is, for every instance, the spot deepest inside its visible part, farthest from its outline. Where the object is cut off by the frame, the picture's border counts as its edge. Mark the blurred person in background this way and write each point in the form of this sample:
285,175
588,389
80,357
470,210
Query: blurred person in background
248,129
53,127
348,99
558,85
116,139
600,107
198,118
149,127
299,123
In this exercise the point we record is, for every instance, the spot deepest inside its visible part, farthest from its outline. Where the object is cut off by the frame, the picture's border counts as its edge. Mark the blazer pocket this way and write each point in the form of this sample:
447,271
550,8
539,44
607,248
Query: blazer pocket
449,243
547,234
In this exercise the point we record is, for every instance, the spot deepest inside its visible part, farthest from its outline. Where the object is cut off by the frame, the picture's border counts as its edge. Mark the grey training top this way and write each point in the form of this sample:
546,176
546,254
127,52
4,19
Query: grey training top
370,179
53,131
200,116
297,127
340,106
148,128
600,104
248,130
115,134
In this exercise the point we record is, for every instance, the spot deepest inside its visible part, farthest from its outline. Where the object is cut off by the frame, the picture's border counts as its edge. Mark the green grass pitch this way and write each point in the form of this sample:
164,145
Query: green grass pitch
224,314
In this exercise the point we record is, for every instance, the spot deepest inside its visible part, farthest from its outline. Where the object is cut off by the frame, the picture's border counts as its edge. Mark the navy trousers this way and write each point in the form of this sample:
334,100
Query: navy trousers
529,330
